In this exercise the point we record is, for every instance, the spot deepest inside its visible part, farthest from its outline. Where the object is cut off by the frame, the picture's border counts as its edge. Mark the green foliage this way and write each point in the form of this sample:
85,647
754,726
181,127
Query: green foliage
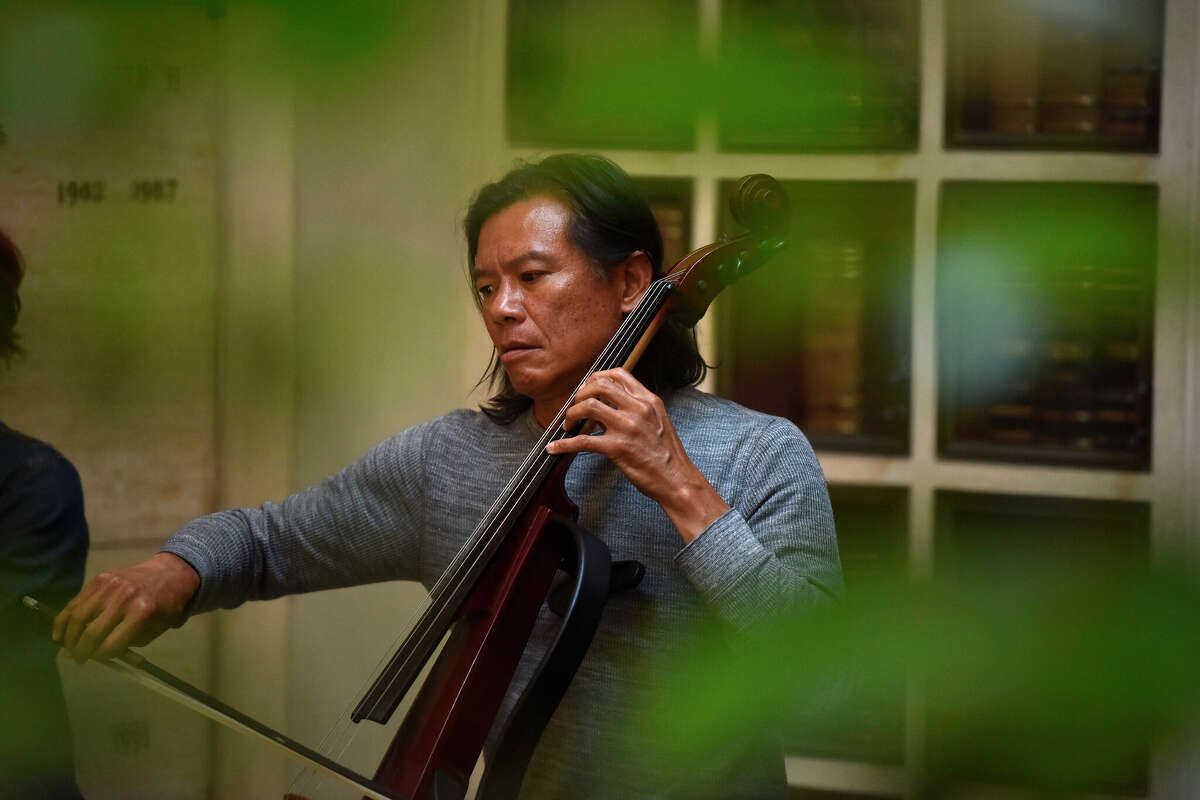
1052,680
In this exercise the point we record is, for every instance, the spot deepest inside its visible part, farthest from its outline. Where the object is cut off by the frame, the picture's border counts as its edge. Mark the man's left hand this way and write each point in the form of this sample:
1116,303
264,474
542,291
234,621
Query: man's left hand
639,438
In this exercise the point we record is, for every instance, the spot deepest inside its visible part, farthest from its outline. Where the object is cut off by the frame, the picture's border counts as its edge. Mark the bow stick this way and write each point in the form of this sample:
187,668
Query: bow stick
137,667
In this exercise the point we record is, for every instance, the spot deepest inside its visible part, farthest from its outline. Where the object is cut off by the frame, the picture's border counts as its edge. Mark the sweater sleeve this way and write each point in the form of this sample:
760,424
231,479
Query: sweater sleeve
776,548
360,525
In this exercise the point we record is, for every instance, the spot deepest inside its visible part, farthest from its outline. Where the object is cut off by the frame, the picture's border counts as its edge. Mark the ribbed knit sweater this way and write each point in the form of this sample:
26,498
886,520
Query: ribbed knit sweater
402,510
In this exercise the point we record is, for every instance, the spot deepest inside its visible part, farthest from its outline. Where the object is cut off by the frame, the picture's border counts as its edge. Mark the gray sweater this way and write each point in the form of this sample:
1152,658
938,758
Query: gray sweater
403,509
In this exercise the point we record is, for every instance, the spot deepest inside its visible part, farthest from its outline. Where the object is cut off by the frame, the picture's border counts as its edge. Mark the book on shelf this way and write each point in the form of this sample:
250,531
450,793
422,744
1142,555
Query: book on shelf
672,223
1075,381
832,336
1048,75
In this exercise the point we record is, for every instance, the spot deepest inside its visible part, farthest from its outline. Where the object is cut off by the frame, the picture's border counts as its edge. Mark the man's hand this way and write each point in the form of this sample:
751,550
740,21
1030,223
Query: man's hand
640,439
131,605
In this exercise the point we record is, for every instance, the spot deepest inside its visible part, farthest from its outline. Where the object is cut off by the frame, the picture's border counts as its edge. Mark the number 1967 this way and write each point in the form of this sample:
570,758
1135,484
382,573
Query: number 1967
156,190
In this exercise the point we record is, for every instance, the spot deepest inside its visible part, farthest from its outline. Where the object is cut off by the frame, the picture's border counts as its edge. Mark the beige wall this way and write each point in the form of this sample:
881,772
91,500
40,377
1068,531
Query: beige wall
300,299
385,163
119,324
384,153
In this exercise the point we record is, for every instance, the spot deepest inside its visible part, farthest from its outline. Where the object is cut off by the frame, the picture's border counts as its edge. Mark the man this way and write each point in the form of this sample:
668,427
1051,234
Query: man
726,508
43,547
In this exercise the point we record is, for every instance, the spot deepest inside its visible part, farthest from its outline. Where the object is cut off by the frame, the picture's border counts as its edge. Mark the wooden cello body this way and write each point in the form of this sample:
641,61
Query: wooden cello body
439,742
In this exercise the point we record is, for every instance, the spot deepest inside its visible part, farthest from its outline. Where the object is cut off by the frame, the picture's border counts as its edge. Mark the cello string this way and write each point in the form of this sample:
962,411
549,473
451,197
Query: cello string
617,351
537,456
532,460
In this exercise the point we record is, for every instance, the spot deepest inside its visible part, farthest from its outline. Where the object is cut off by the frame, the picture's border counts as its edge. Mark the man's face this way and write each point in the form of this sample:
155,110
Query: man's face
548,309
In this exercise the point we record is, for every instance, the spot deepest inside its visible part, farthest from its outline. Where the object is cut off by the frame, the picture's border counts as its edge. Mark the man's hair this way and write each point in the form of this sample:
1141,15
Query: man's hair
11,273
610,221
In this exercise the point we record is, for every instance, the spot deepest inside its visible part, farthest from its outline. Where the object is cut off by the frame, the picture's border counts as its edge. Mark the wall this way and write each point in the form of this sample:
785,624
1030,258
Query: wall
373,148
297,298
387,154
108,182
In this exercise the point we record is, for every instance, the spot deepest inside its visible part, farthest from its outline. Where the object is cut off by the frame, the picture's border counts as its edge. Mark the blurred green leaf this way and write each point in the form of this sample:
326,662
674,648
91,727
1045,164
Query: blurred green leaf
1057,682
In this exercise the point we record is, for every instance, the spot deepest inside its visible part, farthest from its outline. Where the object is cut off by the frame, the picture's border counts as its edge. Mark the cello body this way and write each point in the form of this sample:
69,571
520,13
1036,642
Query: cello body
440,740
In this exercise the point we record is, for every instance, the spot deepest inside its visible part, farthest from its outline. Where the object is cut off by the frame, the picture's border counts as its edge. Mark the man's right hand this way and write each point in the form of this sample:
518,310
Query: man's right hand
128,606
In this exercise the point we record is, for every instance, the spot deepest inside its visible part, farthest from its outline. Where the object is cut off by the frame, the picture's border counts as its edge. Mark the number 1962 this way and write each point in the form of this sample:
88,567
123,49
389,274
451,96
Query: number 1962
72,192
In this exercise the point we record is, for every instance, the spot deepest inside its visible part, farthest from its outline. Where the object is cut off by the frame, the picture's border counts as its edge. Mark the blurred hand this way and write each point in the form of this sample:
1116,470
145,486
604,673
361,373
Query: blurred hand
641,440
128,606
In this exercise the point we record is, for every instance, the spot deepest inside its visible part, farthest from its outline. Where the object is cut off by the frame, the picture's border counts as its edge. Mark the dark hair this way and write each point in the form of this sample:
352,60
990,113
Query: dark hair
609,222
11,273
